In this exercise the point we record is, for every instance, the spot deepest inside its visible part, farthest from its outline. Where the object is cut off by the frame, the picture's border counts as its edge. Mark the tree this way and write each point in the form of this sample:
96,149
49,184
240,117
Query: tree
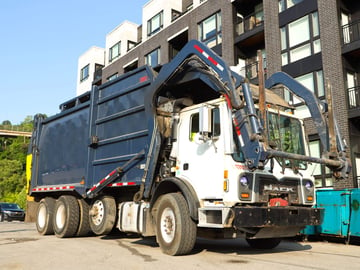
28,123
6,123
12,177
13,151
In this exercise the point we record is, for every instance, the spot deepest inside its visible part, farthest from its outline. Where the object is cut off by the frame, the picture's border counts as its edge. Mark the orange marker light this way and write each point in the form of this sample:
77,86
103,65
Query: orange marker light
245,195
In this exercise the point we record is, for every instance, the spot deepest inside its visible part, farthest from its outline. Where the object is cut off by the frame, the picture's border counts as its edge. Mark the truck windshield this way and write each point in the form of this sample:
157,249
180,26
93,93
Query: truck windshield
286,133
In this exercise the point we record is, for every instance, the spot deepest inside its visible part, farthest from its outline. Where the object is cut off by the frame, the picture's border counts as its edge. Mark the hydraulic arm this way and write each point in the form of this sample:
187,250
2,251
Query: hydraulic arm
250,131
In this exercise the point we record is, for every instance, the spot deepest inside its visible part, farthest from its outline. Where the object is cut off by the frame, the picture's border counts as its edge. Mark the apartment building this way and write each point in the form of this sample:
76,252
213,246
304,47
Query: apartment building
90,64
315,41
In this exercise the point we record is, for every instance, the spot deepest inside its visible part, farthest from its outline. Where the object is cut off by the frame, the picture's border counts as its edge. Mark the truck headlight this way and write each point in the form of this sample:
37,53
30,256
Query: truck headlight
309,185
245,187
244,181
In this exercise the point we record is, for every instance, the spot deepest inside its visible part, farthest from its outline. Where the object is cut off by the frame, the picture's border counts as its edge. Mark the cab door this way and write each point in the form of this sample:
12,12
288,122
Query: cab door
201,156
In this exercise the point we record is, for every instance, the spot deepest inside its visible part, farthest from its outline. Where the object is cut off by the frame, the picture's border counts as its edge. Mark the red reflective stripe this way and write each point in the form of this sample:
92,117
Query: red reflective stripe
122,184
228,101
103,180
212,61
111,174
53,188
198,48
237,127
143,78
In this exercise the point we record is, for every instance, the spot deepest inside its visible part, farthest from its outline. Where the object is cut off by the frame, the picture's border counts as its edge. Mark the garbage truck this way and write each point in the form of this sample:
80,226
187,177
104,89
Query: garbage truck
193,150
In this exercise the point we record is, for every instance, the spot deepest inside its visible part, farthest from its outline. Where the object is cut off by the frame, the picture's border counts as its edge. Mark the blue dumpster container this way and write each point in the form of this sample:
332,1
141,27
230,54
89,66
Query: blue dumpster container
337,211
354,229
341,213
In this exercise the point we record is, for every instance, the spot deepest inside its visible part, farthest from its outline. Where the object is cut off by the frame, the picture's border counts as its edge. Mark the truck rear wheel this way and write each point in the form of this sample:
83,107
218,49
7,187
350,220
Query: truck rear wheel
44,216
175,230
264,243
84,223
102,215
66,216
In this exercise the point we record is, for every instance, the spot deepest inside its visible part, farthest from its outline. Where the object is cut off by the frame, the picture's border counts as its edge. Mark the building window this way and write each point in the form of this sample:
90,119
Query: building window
314,81
114,52
285,4
295,46
153,58
210,30
321,173
130,45
112,77
175,14
155,24
84,73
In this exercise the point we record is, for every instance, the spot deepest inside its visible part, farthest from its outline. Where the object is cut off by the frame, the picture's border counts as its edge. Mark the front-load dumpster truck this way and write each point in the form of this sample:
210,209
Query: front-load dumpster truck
177,154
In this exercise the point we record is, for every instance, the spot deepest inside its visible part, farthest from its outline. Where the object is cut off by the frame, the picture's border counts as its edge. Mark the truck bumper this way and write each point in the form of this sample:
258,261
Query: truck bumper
246,217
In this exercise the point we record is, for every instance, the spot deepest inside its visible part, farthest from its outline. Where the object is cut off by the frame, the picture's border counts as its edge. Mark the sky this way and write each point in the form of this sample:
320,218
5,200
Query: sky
40,43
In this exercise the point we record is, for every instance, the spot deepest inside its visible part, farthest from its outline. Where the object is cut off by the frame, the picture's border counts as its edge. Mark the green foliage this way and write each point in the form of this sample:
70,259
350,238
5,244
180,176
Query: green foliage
12,176
6,123
13,151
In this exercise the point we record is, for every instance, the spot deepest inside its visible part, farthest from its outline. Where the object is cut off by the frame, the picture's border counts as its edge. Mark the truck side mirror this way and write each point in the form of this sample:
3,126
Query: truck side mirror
205,123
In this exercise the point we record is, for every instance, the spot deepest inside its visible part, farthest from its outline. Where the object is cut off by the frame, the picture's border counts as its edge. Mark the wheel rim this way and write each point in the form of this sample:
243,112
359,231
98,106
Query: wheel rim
98,210
41,219
167,225
61,216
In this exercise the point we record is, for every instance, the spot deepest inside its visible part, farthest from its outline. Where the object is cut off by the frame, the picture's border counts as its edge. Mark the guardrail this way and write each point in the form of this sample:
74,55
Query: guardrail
16,128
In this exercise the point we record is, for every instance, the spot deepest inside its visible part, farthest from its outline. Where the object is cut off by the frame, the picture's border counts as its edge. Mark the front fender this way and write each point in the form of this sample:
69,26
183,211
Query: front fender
174,184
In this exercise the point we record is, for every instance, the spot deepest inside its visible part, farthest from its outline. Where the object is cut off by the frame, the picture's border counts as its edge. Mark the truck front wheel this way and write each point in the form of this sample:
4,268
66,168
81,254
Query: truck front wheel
102,215
175,230
44,216
264,243
66,216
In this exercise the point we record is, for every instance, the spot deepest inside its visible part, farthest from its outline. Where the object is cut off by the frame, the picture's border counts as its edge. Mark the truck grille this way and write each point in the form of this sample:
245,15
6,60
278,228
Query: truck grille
270,188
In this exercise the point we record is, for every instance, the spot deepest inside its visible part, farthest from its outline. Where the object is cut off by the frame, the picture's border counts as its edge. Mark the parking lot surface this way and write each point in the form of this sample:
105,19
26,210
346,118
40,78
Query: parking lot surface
21,247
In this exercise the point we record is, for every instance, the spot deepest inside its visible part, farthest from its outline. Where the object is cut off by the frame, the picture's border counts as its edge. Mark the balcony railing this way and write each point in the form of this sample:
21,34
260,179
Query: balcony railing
251,70
351,32
245,24
354,97
98,74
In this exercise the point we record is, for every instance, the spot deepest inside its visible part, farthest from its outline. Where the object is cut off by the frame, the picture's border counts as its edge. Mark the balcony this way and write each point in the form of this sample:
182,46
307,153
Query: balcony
97,74
249,30
251,71
354,101
248,23
351,38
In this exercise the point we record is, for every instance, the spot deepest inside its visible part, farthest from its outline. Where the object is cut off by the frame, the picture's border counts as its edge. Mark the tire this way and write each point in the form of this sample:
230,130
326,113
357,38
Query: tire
1,217
66,216
44,216
102,215
175,230
84,224
264,243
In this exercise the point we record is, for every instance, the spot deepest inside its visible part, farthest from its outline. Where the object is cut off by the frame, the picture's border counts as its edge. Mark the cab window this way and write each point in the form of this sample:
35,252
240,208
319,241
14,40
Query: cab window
215,122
